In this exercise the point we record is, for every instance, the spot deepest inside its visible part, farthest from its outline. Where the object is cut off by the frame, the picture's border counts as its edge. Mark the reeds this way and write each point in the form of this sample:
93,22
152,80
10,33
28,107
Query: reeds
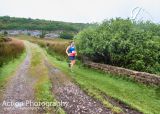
10,49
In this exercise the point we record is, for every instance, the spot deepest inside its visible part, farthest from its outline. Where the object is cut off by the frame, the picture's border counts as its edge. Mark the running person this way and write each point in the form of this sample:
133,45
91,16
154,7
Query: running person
71,52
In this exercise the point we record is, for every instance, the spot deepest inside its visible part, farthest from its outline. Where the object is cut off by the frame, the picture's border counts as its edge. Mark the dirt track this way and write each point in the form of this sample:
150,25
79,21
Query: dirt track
20,88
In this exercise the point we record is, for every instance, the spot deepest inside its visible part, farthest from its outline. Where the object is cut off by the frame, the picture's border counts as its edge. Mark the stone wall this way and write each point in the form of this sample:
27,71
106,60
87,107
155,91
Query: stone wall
142,77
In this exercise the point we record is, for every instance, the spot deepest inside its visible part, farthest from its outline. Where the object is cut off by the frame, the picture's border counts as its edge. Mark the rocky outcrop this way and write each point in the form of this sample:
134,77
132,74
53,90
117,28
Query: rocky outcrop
142,77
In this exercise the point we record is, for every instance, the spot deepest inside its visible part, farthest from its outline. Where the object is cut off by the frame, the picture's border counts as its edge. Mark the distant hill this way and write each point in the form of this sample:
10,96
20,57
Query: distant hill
8,23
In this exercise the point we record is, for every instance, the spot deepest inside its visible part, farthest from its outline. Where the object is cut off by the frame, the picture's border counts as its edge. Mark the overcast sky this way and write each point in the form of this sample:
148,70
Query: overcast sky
80,10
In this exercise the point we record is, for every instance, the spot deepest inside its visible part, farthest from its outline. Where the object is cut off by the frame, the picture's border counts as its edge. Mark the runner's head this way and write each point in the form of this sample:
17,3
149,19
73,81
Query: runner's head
72,43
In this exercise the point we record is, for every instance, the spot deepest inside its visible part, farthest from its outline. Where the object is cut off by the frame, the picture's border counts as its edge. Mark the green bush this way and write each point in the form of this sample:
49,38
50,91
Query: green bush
66,35
122,43
43,33
5,33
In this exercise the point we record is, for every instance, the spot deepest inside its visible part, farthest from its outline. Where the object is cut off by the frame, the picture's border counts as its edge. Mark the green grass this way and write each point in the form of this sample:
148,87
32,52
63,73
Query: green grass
7,70
144,98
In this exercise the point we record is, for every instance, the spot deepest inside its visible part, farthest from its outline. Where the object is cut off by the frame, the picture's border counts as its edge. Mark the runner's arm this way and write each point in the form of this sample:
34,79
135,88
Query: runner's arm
67,51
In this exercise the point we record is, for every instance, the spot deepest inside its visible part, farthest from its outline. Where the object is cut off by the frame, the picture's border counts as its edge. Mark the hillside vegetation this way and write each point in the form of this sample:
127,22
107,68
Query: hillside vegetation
10,49
8,23
133,45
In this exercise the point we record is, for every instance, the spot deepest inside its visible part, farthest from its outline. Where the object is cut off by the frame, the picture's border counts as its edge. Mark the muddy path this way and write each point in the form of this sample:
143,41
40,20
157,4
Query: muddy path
19,89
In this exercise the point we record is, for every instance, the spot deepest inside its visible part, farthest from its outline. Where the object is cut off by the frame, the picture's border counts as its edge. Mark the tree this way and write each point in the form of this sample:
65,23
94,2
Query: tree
43,33
5,33
66,35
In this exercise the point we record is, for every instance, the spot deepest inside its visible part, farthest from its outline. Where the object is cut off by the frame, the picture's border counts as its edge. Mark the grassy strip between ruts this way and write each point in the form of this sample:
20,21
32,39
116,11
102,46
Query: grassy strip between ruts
143,98
43,85
8,69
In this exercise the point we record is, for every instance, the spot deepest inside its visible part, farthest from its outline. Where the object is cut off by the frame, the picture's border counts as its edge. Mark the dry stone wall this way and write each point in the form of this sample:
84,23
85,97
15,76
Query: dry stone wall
142,77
